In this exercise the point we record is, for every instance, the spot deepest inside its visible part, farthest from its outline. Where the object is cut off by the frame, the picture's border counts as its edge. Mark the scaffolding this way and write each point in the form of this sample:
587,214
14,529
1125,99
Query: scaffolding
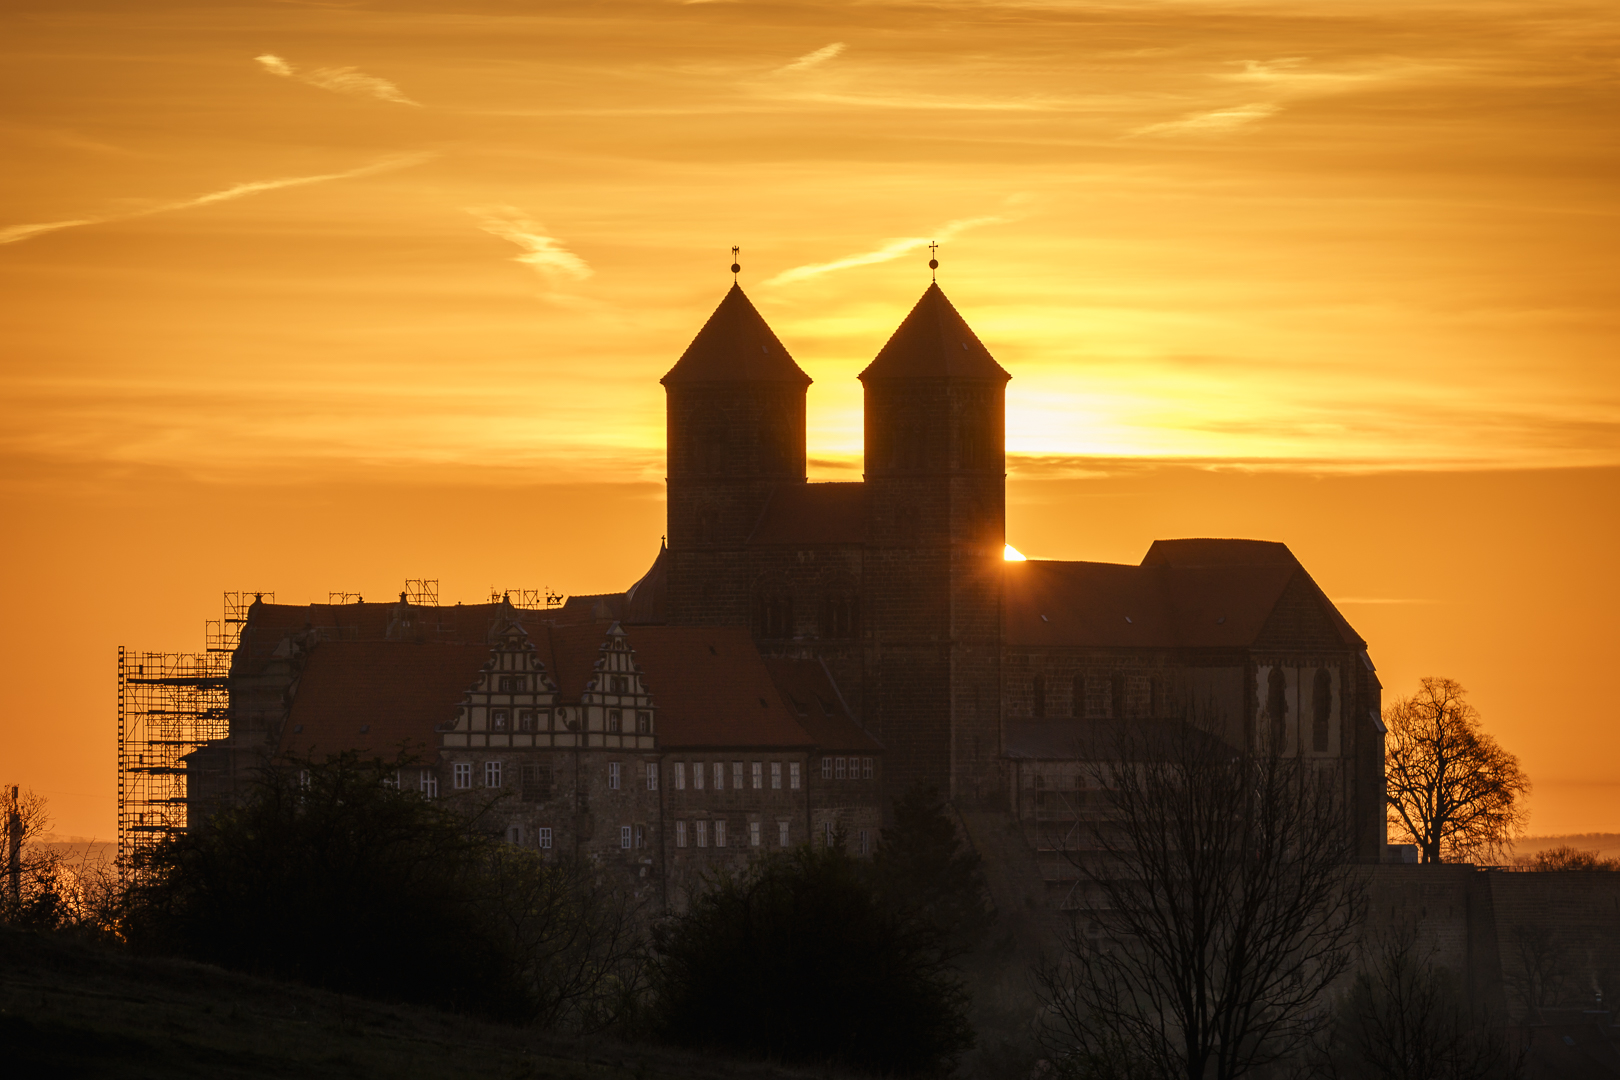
423,592
533,599
170,704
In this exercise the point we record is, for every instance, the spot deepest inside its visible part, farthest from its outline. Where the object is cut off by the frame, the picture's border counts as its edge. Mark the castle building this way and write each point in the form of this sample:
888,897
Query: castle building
802,653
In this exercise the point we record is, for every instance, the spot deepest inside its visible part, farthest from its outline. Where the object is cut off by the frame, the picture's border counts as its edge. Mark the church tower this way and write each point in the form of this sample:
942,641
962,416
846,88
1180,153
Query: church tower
936,527
735,429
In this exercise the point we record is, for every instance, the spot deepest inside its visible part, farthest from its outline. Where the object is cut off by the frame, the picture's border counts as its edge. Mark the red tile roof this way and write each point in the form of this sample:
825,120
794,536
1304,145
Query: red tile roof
400,690
735,345
1111,605
813,514
818,707
269,625
712,689
934,342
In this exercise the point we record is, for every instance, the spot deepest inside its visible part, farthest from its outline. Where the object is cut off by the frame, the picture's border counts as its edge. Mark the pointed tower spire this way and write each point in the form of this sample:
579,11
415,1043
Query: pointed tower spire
934,342
736,345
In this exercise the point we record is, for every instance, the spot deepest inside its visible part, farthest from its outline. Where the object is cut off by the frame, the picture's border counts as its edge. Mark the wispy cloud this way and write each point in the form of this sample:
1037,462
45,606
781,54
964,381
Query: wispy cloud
339,80
890,250
15,233
1214,122
811,59
540,250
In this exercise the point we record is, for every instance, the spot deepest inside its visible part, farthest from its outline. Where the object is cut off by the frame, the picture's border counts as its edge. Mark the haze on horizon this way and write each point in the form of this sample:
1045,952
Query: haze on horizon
304,298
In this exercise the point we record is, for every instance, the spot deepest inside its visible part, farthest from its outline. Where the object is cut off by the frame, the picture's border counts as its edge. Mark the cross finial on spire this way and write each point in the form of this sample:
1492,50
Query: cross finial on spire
933,261
735,266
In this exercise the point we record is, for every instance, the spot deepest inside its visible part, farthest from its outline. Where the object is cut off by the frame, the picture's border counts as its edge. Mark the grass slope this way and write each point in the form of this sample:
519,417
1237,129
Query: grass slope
68,1009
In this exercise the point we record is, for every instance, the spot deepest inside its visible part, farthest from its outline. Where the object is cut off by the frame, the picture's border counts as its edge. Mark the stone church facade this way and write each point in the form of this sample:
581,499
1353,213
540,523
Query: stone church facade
800,654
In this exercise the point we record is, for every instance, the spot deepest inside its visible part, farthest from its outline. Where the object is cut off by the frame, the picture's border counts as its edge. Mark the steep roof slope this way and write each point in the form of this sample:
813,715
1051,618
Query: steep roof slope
711,688
736,345
1202,593
376,696
934,342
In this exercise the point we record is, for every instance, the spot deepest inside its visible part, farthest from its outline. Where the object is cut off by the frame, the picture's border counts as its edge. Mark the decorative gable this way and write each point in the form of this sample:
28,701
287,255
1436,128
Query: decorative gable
619,710
513,703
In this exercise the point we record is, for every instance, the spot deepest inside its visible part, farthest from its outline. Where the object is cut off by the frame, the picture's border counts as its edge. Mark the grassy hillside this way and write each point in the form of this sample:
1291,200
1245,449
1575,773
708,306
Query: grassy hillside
69,1009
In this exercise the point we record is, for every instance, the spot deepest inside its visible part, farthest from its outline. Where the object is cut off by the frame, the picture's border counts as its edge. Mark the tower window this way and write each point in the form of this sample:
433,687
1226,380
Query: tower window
1277,708
1039,691
1321,709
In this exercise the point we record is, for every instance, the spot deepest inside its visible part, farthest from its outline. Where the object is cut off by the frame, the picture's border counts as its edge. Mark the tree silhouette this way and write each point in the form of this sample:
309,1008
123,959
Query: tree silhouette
1452,790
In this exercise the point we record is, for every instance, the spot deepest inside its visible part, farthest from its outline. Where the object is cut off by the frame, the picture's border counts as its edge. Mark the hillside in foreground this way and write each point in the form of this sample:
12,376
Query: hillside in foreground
69,1009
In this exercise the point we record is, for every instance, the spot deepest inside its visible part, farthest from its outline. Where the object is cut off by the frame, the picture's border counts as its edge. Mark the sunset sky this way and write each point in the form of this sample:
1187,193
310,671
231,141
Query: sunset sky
316,296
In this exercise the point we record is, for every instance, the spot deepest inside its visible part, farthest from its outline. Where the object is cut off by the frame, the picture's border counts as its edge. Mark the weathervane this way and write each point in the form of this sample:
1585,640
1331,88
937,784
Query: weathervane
735,267
933,261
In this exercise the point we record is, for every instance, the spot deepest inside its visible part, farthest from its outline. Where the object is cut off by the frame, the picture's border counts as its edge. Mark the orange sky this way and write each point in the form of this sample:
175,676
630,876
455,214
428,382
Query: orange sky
304,297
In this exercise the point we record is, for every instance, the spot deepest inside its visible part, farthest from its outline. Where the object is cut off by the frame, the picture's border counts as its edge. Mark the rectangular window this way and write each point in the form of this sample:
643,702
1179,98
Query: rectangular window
526,720
753,834
826,768
544,838
720,833
641,835
866,768
680,834
736,776
759,775
618,684
776,776
827,833
793,775
697,776
624,837
719,775
394,783
613,776
492,774
428,784
615,719
513,684
863,841
497,719
781,834
838,768
702,833
644,723
463,774
680,776
652,776
514,834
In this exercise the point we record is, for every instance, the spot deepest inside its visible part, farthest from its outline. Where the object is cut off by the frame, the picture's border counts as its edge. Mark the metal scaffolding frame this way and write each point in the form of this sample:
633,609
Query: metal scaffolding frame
530,599
170,704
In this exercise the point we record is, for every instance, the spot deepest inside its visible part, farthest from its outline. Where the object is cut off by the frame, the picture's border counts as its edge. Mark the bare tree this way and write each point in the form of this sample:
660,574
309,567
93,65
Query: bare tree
1452,790
1405,1018
1228,904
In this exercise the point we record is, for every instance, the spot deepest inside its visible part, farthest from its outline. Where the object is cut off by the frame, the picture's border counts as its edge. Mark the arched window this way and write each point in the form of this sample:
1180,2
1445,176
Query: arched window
1321,709
1277,708
773,611
709,442
840,611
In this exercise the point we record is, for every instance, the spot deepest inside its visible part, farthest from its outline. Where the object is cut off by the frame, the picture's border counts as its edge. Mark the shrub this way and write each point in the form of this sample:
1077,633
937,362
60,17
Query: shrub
799,960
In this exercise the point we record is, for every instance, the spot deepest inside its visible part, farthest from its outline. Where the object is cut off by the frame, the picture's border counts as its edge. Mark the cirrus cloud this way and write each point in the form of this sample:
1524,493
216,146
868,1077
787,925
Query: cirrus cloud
339,80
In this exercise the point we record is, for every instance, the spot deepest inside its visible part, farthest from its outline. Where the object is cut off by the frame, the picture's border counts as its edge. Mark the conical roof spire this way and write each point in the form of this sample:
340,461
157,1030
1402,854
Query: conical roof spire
735,346
934,342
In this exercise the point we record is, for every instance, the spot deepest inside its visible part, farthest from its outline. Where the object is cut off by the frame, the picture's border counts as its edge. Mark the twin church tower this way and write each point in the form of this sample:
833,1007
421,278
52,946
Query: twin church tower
893,583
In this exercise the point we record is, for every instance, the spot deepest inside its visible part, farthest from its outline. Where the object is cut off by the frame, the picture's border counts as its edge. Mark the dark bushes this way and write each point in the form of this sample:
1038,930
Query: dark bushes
330,875
801,960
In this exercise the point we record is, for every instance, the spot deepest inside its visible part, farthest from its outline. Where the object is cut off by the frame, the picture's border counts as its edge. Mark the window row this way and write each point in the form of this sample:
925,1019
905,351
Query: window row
536,779
699,833
837,768
753,777
829,838
542,836
540,720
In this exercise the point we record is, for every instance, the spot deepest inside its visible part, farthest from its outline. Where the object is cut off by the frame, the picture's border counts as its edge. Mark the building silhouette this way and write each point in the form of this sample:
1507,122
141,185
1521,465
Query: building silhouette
800,654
